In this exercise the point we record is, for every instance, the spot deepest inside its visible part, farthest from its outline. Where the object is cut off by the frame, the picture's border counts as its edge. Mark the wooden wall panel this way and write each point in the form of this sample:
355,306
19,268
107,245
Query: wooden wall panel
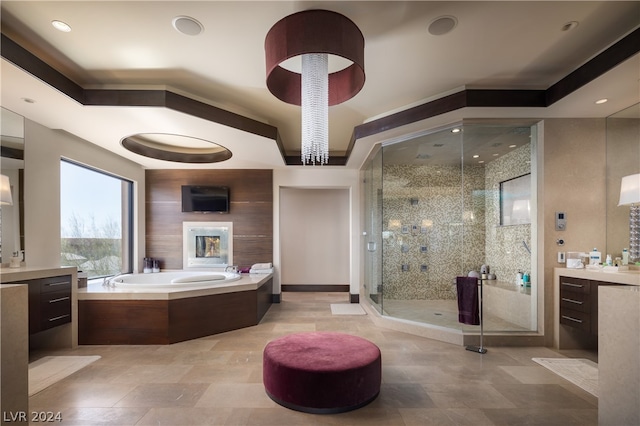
251,211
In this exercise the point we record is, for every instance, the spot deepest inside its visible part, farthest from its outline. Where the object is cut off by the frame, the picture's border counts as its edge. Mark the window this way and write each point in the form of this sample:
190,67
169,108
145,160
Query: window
96,217
515,201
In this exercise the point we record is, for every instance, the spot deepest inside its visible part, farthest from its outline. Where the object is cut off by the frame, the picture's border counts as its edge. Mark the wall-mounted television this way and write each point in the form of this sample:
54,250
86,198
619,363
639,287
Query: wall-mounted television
205,199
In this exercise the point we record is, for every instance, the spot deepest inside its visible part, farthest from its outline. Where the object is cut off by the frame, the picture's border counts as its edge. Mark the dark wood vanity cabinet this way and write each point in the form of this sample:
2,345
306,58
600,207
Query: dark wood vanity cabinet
579,303
49,302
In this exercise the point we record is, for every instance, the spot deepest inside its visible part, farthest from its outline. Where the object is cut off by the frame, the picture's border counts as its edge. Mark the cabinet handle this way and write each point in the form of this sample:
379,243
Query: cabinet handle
58,283
57,318
577,302
572,319
59,299
573,285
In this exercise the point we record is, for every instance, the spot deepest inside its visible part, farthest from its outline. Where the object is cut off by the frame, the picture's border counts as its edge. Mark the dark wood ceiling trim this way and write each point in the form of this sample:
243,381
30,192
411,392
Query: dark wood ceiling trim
8,152
420,112
219,115
622,50
505,98
116,97
16,54
24,59
619,52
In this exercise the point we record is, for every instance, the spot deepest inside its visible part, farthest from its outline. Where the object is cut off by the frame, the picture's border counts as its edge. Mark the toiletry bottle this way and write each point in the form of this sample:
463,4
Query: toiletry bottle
608,260
148,265
625,256
595,257
519,278
525,279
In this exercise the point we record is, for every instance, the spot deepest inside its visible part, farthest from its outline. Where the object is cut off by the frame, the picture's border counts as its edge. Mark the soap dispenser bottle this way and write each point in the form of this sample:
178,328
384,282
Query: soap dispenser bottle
595,257
625,256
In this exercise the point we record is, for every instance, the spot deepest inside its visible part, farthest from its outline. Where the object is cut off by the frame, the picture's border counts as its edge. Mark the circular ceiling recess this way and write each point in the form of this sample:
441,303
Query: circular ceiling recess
176,148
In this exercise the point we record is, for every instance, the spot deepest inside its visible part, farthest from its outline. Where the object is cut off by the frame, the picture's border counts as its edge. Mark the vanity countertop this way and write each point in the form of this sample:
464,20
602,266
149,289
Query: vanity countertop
13,275
630,277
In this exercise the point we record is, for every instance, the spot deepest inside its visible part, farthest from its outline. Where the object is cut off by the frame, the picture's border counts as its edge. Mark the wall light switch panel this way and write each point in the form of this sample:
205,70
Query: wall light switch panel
561,221
561,258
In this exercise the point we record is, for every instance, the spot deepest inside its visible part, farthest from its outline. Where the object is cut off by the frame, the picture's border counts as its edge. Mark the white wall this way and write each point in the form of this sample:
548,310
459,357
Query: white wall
314,236
319,178
44,148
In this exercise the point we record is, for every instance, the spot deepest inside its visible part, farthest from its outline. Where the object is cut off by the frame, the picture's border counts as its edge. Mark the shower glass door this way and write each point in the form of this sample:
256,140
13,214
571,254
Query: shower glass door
373,231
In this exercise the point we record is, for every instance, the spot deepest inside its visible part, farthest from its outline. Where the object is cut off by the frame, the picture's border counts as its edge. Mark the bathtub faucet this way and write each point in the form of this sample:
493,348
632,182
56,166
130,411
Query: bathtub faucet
108,281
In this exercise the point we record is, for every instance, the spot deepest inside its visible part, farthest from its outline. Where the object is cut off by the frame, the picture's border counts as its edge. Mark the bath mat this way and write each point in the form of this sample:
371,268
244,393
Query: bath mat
347,309
51,369
581,372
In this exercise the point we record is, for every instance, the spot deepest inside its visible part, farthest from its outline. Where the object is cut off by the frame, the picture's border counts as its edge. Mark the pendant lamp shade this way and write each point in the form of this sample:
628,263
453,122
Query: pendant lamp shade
314,34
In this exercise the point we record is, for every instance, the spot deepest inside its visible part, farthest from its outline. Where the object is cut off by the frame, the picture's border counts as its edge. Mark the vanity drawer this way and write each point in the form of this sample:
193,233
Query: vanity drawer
575,301
576,319
55,309
56,284
575,285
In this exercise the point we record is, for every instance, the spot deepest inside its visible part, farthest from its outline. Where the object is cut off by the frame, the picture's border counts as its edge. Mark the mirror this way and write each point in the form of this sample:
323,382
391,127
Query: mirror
12,166
623,159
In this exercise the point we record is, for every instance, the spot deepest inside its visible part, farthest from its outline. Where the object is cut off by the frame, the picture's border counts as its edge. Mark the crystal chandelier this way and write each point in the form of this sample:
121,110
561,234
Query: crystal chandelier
315,108
314,35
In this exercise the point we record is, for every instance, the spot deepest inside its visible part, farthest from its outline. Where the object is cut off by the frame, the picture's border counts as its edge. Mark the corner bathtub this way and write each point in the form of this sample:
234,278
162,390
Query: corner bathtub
173,279
170,307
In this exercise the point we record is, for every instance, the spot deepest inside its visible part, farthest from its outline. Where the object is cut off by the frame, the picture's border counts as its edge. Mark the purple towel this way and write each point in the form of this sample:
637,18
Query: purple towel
468,312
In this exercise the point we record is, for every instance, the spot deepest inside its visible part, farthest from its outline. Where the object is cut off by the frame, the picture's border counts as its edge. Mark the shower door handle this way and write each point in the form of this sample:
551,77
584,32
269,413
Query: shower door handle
371,246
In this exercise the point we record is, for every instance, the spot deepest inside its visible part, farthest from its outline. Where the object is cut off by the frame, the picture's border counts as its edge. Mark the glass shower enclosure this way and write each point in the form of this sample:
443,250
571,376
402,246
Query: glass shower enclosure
447,203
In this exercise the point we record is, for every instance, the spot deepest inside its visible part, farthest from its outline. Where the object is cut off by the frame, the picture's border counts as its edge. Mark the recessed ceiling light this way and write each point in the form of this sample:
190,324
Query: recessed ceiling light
569,26
476,156
29,100
495,155
187,25
481,161
512,146
61,26
456,130
601,101
442,25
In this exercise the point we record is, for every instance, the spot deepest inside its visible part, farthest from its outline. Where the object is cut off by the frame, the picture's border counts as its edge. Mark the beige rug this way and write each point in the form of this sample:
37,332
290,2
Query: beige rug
51,369
581,372
347,309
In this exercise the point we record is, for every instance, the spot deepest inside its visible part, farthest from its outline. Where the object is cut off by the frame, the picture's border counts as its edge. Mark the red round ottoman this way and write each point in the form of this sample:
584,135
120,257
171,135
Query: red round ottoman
322,372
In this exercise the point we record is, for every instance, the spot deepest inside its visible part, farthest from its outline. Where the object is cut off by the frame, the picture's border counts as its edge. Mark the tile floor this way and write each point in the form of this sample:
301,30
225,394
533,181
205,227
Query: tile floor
217,380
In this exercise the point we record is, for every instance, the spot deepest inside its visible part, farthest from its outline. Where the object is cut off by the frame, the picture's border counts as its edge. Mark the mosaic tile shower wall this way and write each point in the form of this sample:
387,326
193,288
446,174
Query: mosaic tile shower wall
505,245
426,209
439,223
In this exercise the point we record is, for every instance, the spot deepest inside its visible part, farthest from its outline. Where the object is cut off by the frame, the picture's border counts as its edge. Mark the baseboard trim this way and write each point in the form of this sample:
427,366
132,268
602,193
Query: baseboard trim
343,288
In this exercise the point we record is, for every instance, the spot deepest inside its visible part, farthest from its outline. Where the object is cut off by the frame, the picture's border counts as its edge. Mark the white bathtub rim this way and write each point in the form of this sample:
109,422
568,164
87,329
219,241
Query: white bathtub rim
173,279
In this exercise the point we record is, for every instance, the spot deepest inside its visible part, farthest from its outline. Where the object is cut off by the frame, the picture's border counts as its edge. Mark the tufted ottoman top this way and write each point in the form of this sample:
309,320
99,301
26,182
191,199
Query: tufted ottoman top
322,351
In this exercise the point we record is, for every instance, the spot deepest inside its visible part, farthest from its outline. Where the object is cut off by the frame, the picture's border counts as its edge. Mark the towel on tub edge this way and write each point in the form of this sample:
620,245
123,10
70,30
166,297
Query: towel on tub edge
257,266
261,271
